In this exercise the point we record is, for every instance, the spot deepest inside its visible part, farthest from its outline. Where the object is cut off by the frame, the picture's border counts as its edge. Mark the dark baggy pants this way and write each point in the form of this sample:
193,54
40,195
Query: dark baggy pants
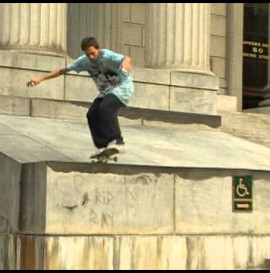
103,120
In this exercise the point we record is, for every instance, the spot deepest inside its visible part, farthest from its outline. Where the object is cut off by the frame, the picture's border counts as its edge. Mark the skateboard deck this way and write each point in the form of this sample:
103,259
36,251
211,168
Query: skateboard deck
109,154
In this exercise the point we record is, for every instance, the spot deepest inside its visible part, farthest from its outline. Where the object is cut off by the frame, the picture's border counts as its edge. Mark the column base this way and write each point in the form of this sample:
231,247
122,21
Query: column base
17,67
37,51
184,69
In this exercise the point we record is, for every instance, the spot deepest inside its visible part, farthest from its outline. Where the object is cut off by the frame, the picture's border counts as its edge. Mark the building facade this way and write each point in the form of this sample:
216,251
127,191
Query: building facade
198,38
227,40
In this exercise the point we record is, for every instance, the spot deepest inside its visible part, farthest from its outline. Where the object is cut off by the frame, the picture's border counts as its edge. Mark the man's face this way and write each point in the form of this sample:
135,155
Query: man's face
92,53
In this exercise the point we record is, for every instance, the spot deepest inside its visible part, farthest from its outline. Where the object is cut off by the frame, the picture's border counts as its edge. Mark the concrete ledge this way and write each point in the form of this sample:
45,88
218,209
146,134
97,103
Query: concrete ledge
170,116
85,199
76,110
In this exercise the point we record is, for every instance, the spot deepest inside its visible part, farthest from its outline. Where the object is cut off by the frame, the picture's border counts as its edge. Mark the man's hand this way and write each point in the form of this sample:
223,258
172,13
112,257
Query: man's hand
37,80
127,63
34,81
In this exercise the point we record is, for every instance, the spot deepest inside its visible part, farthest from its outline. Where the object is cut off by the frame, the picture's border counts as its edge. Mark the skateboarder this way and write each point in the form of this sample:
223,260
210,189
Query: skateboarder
110,72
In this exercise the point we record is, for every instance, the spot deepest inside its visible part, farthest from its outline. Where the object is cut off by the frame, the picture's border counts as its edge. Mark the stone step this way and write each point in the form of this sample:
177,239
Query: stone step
76,110
251,126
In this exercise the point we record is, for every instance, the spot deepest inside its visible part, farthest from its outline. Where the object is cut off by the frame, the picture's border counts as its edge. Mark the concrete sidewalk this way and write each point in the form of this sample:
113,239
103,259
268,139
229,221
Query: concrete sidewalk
28,139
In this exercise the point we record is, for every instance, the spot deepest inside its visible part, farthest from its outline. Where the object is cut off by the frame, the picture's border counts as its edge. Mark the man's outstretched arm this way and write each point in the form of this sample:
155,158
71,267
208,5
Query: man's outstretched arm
37,80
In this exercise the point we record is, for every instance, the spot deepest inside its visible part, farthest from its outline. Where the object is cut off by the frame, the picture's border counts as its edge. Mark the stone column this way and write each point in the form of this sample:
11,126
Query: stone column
34,27
266,101
178,36
100,20
234,51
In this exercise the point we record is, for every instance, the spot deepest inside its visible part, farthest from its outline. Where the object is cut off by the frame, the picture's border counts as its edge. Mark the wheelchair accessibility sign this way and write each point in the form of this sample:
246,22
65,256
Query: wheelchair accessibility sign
242,193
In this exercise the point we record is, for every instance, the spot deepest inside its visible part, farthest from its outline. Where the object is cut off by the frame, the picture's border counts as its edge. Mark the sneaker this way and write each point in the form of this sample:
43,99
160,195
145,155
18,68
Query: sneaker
100,150
117,144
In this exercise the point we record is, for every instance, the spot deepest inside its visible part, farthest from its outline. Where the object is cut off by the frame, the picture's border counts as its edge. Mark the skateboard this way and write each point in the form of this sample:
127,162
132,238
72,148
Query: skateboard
109,154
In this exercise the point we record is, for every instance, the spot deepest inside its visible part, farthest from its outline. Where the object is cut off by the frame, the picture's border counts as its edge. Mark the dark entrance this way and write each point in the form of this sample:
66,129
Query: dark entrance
255,53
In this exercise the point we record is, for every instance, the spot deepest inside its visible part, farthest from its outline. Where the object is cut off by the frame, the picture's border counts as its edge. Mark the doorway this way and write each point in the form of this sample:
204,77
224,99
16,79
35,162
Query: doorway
255,53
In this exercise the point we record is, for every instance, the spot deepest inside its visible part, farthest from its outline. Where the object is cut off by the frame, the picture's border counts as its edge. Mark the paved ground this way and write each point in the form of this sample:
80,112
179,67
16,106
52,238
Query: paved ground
27,139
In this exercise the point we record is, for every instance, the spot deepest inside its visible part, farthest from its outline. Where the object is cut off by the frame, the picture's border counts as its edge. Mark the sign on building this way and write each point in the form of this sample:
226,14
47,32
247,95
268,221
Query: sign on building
242,193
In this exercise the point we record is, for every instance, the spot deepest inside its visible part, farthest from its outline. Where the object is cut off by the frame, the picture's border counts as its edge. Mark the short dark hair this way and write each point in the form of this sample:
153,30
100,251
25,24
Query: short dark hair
89,41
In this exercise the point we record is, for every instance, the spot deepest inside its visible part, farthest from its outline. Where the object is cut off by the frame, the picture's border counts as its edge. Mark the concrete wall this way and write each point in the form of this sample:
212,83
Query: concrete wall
82,199
144,252
142,218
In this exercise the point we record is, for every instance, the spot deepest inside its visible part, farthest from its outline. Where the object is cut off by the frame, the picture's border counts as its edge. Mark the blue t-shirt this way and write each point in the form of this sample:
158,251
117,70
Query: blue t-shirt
107,74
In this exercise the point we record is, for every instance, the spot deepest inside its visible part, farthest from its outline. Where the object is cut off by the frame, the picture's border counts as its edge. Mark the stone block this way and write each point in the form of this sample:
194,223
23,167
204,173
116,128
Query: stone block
80,87
87,202
132,34
194,80
30,252
138,13
14,106
219,9
210,252
148,75
226,103
218,66
218,25
150,96
108,203
126,12
137,55
218,46
78,253
151,252
58,109
202,201
192,100
14,84
22,60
